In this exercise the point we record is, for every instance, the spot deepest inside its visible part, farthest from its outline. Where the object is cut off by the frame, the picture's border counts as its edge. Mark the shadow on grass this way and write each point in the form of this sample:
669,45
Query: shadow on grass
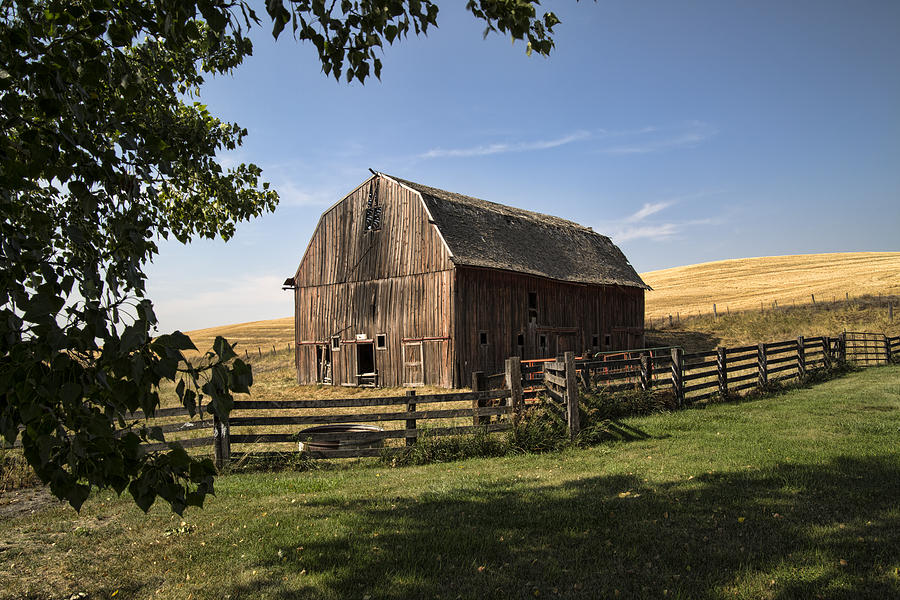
793,531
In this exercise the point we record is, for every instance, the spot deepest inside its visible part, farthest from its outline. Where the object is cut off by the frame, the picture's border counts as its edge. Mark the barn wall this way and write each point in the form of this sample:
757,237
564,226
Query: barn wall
395,281
409,309
341,250
568,316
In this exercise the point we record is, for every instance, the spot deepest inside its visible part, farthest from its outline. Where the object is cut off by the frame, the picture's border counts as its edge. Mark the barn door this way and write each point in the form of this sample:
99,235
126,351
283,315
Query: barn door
323,363
565,342
413,364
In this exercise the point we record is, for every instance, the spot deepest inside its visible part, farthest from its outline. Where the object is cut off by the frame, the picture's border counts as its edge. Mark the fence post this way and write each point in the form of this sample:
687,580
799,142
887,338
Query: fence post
826,352
722,370
221,443
478,385
514,385
762,367
801,358
571,395
842,350
677,376
411,423
887,350
646,372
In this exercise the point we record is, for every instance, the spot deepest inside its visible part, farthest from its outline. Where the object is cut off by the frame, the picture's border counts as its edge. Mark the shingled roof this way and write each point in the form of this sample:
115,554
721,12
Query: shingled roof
490,235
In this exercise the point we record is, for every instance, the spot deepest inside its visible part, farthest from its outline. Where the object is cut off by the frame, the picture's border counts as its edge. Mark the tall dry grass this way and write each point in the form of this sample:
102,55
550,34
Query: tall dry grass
746,283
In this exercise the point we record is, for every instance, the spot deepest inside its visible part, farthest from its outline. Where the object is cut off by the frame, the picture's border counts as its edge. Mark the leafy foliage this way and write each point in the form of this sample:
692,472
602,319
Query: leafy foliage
105,149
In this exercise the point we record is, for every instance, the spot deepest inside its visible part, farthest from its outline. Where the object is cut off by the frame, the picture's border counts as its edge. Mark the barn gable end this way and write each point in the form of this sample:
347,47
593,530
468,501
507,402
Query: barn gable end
373,263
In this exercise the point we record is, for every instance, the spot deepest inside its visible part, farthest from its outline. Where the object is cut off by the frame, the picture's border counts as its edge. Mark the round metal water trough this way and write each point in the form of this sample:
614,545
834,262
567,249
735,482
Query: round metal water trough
340,437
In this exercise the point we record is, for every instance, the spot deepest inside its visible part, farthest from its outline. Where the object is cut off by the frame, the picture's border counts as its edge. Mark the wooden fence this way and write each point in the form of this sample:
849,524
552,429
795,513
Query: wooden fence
325,429
692,377
496,401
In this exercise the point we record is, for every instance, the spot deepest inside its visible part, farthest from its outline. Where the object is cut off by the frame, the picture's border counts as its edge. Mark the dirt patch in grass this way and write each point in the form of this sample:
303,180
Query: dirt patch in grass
17,503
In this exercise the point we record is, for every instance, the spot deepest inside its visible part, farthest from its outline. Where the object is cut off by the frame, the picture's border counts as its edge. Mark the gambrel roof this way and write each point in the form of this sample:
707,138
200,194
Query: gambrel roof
485,234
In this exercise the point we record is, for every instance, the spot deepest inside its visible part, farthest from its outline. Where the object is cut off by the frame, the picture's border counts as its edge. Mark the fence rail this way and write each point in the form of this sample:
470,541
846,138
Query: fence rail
496,401
693,377
256,425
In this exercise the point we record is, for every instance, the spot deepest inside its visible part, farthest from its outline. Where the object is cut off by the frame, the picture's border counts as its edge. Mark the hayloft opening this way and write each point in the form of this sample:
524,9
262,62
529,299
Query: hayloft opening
336,343
373,208
482,338
532,306
381,341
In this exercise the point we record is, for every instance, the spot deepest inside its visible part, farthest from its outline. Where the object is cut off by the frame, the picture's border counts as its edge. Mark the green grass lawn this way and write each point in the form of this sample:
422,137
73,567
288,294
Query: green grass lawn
789,496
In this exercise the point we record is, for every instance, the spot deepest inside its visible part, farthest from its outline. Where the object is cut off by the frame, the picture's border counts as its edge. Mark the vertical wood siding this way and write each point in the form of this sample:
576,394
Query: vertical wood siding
342,251
395,281
568,315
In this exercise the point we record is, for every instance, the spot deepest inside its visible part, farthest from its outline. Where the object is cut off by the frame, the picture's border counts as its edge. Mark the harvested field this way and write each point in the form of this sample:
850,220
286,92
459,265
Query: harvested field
741,284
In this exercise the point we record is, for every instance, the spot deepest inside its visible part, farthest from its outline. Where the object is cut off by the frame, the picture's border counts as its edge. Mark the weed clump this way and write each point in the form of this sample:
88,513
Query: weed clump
15,472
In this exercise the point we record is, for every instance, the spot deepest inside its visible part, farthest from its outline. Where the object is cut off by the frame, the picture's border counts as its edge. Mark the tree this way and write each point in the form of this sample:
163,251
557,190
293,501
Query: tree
104,149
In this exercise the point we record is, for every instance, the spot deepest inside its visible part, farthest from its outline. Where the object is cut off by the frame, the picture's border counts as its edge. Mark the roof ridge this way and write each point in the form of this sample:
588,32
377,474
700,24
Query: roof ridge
521,212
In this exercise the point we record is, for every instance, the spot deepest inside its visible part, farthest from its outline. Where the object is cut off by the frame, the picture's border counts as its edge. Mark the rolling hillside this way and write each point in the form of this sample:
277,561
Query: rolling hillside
736,284
741,284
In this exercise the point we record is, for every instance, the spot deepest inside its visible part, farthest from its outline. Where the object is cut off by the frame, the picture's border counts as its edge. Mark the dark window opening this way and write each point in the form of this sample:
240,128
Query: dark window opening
532,300
482,338
520,340
335,343
381,341
606,341
373,208
543,342
595,340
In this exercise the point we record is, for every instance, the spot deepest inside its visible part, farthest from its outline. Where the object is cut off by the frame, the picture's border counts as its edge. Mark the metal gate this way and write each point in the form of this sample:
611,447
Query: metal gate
865,348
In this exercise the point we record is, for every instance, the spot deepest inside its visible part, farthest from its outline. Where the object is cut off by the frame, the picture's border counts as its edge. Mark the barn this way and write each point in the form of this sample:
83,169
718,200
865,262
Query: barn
404,284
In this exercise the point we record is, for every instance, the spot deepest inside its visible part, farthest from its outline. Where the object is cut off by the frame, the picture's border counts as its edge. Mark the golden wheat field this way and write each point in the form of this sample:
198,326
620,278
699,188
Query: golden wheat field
744,283
736,284
251,337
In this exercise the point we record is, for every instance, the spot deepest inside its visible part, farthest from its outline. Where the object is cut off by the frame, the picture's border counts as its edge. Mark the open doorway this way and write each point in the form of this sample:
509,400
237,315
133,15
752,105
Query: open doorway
365,364
323,364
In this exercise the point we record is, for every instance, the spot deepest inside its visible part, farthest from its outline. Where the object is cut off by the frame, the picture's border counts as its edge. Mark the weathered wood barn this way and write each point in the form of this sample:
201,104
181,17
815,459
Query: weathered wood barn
404,284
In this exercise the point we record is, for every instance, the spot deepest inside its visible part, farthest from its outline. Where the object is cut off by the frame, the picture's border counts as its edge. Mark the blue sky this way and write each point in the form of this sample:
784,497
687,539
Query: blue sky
687,131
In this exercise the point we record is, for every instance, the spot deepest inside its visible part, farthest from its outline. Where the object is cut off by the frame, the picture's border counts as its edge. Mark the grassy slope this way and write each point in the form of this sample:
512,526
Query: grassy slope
701,333
786,497
734,285
742,284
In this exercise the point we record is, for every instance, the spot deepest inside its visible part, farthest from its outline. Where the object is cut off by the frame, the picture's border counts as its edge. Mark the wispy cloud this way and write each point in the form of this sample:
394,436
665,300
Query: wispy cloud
657,233
506,147
651,139
651,208
636,226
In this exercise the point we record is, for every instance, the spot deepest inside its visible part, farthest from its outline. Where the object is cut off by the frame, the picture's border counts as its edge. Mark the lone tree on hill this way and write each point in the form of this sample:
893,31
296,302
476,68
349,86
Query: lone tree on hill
105,148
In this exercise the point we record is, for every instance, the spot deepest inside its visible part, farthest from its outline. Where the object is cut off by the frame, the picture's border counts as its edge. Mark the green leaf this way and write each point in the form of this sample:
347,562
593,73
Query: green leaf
223,349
